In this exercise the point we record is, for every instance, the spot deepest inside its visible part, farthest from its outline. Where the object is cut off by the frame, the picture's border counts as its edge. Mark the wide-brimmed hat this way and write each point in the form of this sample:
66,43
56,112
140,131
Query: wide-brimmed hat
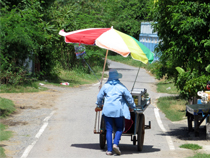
113,74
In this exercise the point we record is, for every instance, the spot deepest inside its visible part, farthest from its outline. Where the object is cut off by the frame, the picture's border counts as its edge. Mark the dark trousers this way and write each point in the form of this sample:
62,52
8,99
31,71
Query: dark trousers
119,123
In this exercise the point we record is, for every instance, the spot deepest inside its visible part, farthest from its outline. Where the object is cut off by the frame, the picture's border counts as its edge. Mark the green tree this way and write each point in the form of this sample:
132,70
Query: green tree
70,15
183,28
25,33
127,16
29,29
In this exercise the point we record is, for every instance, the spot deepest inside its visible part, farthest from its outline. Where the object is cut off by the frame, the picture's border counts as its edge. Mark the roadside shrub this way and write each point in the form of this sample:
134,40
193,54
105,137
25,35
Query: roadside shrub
18,77
155,68
6,107
195,84
181,81
189,83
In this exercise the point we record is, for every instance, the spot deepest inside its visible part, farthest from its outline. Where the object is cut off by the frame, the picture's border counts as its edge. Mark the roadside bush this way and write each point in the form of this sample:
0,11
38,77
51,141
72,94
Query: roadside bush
181,82
17,77
6,107
155,68
190,82
194,85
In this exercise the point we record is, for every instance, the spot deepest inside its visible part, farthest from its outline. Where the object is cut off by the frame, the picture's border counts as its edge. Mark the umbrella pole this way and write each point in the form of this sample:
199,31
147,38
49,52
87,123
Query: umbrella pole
136,78
98,113
103,69
94,131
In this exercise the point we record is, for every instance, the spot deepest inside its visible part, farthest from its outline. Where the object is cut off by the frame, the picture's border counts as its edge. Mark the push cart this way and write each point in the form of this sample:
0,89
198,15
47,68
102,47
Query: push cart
137,128
197,113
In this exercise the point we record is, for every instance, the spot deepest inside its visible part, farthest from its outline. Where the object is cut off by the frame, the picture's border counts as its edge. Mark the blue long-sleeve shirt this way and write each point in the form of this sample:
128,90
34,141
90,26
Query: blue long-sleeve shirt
116,99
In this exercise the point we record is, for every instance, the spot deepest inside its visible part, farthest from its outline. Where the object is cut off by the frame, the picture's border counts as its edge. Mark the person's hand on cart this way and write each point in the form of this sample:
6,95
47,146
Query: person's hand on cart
98,109
132,109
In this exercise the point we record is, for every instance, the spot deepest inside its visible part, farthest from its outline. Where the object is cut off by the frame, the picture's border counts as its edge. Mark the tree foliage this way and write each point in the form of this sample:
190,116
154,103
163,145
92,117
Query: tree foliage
29,29
183,28
127,16
189,83
23,35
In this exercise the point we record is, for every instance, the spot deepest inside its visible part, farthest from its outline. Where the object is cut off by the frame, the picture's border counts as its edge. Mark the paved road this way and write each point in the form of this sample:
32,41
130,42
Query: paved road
69,133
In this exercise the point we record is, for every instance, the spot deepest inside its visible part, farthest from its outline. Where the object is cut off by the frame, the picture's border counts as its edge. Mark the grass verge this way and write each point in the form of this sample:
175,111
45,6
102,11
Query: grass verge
172,107
75,78
167,87
26,88
191,146
6,108
200,155
4,135
2,154
195,147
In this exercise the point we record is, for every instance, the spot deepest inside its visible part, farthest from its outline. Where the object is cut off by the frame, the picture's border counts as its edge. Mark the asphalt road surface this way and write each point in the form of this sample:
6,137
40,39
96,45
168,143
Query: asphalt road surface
68,131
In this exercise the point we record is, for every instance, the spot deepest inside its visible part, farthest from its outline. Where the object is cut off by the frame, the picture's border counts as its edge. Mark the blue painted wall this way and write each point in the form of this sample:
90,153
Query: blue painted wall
147,36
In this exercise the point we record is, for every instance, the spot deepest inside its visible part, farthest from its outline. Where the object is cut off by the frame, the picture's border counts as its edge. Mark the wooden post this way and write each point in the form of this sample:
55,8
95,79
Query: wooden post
97,119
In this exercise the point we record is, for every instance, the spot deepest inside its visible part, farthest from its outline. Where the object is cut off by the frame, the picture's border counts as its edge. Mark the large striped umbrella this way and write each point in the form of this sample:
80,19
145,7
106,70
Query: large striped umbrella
110,39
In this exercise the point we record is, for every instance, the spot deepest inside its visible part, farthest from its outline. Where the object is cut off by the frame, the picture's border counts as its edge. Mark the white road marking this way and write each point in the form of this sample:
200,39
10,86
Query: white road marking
168,138
28,149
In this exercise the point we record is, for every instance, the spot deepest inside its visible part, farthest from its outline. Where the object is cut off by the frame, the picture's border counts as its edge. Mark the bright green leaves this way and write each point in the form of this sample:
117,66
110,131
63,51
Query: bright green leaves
180,70
24,34
183,27
31,27
208,69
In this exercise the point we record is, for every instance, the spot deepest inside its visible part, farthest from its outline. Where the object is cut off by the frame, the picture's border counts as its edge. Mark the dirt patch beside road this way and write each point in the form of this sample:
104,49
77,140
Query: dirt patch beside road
36,100
31,109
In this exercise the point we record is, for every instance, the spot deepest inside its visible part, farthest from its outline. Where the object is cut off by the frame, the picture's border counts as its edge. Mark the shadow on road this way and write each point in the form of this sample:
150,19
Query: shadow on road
129,149
87,146
125,148
182,133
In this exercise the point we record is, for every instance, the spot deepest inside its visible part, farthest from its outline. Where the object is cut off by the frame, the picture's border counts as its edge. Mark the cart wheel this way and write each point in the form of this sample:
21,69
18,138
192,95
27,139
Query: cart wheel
141,133
102,135
134,140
